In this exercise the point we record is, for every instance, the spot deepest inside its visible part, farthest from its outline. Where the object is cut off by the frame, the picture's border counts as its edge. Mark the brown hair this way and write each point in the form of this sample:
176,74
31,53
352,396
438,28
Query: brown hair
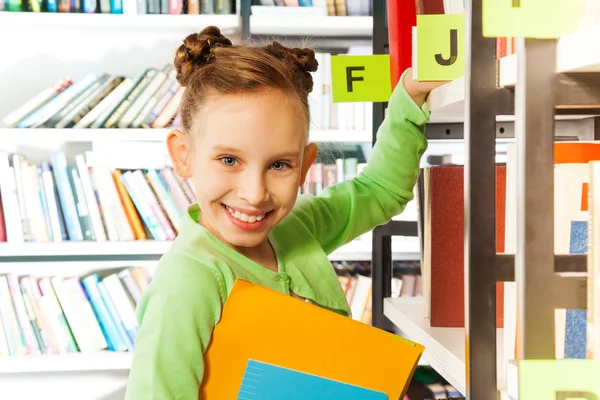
207,64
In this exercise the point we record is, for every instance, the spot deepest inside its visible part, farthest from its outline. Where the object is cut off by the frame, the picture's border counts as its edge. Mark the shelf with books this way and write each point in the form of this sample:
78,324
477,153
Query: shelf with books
70,362
315,26
444,347
179,24
578,52
72,135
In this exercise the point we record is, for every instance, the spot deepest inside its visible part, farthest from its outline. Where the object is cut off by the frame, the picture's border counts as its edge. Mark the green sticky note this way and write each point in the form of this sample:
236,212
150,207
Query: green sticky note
361,78
440,47
542,19
559,380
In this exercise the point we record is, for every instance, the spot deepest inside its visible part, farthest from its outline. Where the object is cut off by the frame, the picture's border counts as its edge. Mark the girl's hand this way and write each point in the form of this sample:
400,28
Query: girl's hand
418,90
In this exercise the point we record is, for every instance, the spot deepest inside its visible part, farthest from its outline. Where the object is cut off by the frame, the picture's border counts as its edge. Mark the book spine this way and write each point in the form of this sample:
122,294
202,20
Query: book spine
112,311
34,317
83,213
20,195
131,286
44,202
59,167
90,198
16,342
10,201
122,305
57,223
31,342
58,322
102,111
116,116
165,200
132,215
146,192
143,208
136,107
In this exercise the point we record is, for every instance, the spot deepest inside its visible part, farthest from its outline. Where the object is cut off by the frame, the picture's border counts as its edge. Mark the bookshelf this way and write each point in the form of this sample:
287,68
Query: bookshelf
74,362
129,24
576,53
357,250
321,26
557,80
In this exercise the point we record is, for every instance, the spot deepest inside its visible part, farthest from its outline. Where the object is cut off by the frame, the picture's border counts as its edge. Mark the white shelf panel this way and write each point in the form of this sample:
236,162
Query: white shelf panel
444,347
72,362
358,250
312,26
40,136
182,24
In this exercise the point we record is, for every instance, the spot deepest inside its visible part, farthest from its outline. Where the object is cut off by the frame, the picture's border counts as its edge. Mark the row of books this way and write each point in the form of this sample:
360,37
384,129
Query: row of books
358,289
86,200
320,176
120,6
59,315
103,101
152,100
56,201
330,7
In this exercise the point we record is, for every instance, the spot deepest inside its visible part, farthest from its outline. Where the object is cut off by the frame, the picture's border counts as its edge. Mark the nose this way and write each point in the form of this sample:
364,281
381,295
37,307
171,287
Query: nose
252,187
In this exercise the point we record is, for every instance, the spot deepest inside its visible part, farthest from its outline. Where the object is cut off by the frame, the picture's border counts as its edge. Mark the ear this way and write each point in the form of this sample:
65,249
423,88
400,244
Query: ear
310,155
180,153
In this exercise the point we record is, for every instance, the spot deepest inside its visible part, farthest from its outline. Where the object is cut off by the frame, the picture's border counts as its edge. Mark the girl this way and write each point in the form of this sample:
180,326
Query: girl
244,143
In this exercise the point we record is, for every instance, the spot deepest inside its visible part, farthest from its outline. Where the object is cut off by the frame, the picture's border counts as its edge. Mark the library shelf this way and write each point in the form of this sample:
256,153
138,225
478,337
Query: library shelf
357,250
36,136
577,52
70,362
444,347
179,24
313,26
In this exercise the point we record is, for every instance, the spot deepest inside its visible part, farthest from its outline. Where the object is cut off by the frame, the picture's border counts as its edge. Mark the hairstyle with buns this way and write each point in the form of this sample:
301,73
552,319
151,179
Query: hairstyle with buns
209,64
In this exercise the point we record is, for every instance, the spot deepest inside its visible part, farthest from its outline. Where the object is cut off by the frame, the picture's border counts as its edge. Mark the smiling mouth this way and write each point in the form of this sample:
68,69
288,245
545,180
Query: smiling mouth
242,217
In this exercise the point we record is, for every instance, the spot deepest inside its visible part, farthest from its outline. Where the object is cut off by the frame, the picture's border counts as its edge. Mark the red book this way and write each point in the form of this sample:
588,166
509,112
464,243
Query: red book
446,185
401,18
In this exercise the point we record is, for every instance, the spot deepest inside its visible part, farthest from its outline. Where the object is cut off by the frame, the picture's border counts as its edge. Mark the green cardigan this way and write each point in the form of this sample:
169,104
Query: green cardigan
179,310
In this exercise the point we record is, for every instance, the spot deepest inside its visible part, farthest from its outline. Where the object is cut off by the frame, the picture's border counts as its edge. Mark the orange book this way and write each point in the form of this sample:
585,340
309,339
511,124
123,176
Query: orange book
132,216
266,326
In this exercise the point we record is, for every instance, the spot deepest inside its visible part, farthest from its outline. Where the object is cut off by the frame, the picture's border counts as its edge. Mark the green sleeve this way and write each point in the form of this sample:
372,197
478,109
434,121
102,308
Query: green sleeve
177,315
351,208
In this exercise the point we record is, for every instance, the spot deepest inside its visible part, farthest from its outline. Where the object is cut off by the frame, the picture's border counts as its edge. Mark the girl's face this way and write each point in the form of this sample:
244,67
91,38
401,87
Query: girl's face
247,158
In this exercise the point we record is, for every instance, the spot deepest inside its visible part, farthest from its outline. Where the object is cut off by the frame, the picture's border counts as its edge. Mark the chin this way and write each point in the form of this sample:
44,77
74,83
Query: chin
245,239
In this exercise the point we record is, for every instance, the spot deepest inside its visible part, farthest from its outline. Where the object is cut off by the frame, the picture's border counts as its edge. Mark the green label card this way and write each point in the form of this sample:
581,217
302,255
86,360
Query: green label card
440,47
543,19
559,380
361,78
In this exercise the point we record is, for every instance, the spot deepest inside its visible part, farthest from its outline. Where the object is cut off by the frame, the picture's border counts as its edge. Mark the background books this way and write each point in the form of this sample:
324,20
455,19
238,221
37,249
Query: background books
325,7
151,99
121,6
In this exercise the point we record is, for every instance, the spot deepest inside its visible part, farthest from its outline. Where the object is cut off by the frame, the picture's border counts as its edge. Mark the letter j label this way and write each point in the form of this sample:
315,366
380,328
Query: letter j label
440,47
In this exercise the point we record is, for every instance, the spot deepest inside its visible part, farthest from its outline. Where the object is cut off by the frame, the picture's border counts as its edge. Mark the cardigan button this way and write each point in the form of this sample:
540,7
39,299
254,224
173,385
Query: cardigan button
283,277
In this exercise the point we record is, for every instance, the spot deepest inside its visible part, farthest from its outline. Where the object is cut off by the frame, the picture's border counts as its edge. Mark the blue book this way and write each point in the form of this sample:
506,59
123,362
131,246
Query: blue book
107,324
112,312
65,193
576,320
271,382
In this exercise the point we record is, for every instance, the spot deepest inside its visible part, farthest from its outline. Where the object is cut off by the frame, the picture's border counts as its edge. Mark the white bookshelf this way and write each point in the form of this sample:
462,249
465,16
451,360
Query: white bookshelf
70,362
576,53
39,136
444,347
357,250
323,26
165,23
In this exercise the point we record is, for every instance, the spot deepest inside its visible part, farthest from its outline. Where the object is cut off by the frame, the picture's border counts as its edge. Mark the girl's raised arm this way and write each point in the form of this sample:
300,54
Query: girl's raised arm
350,208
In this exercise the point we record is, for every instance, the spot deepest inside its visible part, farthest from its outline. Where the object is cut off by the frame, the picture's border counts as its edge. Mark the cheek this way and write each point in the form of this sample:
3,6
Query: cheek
286,190
210,181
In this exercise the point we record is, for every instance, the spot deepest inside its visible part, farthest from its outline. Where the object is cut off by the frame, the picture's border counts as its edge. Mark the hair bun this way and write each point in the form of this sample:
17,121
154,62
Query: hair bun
197,50
303,58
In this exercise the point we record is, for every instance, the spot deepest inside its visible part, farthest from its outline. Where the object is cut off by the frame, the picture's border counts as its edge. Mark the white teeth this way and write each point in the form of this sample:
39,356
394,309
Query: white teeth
245,217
